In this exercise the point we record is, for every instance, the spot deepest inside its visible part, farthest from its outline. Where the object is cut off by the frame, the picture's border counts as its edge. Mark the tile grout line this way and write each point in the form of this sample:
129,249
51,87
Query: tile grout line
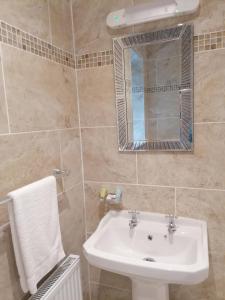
207,123
50,24
210,50
87,127
127,183
175,201
70,188
5,94
155,185
79,121
38,131
81,142
98,127
200,188
61,158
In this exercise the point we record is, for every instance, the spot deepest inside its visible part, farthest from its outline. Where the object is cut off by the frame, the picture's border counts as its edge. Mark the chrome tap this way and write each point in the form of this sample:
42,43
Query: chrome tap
172,227
133,221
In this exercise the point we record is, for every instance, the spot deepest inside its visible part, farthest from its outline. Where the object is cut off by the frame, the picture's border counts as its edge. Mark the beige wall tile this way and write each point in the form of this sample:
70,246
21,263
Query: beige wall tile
152,199
142,198
211,16
91,32
203,168
209,87
3,116
71,209
26,158
94,209
31,16
61,23
103,277
97,97
40,93
100,292
71,157
9,279
102,162
206,205
211,289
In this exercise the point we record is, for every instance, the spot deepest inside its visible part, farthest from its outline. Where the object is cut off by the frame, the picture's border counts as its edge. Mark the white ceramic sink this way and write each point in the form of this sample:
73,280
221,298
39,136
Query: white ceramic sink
180,257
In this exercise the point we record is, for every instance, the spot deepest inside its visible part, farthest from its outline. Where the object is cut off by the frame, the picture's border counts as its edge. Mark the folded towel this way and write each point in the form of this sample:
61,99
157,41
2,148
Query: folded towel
34,221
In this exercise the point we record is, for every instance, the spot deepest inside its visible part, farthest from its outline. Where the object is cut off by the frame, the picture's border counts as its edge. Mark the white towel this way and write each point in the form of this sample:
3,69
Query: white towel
34,220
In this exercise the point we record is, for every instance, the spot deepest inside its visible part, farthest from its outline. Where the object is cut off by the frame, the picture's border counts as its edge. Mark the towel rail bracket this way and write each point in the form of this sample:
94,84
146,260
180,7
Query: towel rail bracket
56,172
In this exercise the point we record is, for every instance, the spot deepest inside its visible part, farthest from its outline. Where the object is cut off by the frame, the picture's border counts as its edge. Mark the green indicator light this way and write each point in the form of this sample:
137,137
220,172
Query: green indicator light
116,18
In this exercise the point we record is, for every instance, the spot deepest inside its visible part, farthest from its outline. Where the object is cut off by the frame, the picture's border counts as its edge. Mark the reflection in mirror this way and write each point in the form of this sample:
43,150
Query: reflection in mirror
153,79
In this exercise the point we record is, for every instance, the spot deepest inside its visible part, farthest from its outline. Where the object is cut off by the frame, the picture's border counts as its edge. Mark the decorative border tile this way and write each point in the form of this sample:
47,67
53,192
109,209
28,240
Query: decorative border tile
202,42
20,39
209,41
15,37
96,59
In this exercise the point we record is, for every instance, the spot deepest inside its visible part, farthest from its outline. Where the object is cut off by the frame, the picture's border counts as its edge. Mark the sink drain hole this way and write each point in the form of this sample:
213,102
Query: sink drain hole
149,259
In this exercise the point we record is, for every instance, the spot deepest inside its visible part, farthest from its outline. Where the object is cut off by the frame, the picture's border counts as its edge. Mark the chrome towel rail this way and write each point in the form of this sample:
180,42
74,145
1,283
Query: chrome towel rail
56,172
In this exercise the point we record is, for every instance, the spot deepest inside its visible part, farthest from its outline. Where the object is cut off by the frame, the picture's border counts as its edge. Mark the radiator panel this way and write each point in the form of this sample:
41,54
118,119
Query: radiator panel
63,284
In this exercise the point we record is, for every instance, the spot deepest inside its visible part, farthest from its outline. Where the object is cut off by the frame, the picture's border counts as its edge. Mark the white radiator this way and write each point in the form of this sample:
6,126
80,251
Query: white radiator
63,284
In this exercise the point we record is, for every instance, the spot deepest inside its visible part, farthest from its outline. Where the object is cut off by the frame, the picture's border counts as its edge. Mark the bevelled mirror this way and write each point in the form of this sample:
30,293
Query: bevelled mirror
154,90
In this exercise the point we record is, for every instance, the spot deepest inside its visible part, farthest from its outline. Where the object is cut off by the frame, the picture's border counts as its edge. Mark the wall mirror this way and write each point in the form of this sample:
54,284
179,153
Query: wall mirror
154,90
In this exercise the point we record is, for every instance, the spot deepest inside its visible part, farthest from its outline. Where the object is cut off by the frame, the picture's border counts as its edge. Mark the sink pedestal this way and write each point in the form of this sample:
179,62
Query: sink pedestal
144,290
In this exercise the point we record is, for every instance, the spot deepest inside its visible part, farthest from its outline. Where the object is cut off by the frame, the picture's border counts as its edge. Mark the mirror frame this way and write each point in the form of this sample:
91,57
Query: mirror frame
185,33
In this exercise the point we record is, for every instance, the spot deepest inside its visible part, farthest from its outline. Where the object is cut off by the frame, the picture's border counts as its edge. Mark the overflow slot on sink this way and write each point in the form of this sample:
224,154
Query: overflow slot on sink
149,259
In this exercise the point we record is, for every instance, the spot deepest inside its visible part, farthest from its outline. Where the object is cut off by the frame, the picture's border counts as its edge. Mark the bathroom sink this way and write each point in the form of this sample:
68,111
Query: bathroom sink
148,253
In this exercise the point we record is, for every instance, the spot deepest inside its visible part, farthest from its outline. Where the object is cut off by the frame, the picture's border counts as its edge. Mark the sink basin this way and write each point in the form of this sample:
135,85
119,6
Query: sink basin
150,255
